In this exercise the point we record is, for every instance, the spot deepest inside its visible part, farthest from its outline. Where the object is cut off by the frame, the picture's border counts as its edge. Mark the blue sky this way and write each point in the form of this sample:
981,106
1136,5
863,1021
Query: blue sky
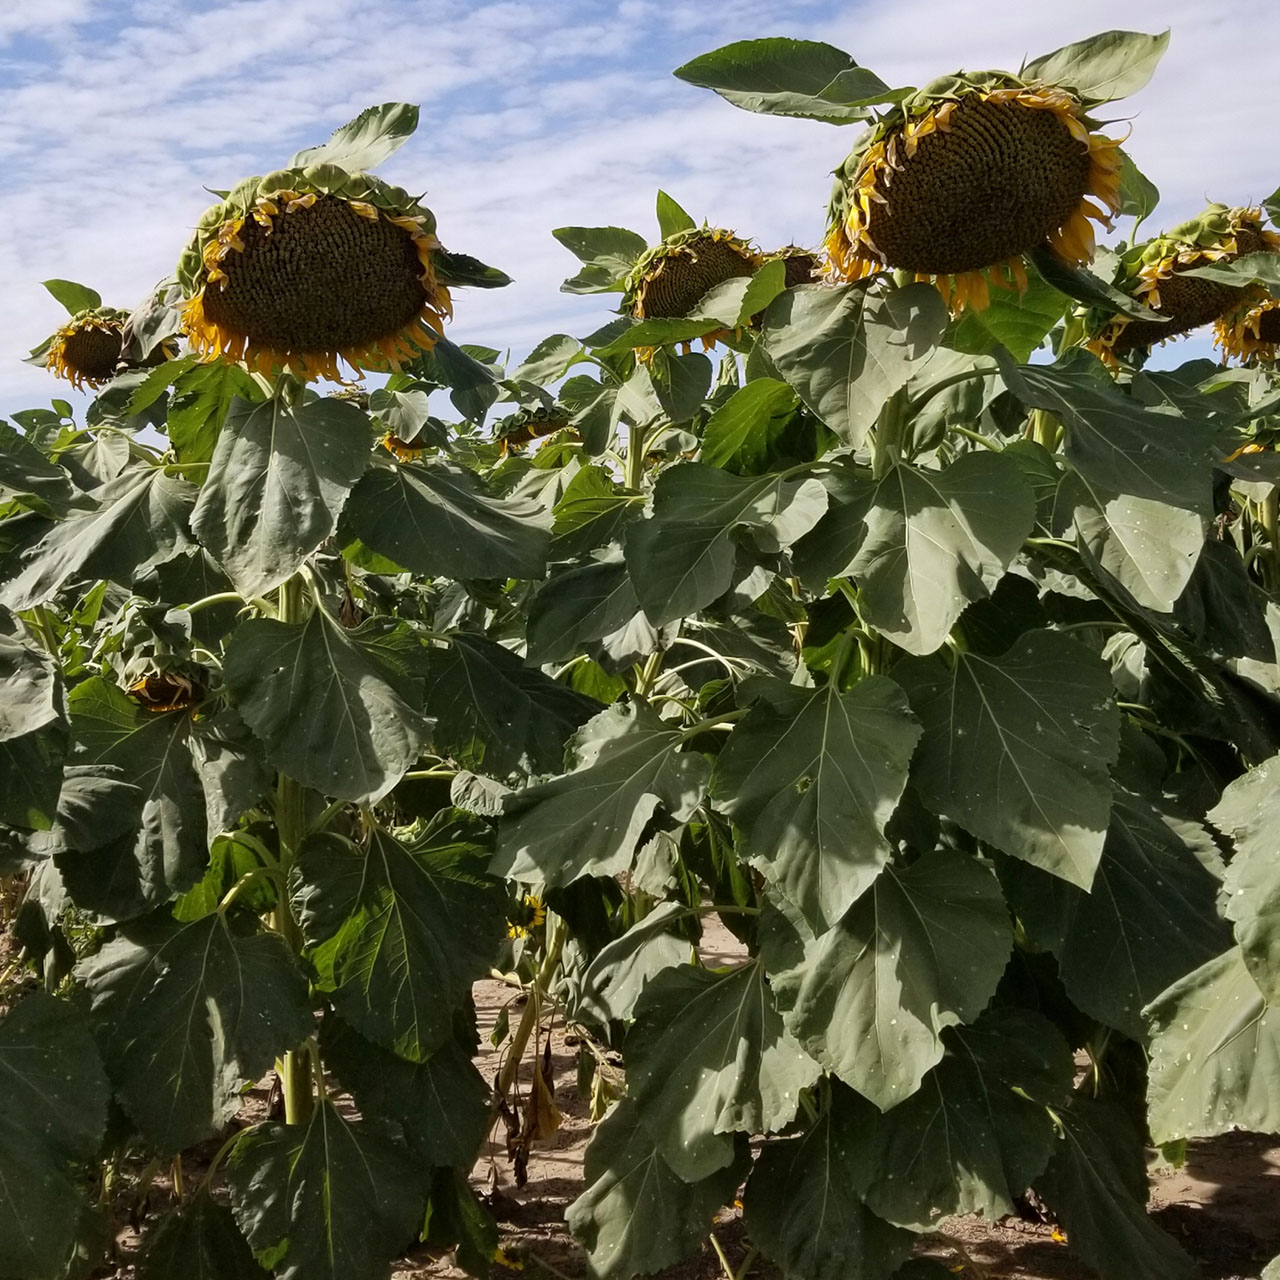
115,114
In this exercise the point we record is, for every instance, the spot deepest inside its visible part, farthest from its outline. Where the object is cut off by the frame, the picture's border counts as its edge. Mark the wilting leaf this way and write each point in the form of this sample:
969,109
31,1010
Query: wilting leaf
1016,749
333,1200
187,1014
921,950
813,777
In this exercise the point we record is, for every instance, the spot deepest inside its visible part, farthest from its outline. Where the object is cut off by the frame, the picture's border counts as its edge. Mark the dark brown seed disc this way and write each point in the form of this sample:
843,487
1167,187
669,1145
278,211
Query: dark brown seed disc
800,268
323,279
92,353
996,183
1269,325
677,284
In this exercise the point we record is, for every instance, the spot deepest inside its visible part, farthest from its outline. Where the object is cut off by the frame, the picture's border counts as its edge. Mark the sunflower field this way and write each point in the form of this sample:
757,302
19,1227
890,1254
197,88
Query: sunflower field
875,597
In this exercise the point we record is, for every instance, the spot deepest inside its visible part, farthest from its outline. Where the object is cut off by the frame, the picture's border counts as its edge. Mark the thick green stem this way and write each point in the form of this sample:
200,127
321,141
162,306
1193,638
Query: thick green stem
1269,518
291,828
637,438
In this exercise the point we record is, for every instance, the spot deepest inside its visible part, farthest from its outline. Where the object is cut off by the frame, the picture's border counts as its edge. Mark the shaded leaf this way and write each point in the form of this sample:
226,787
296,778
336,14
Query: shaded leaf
333,1199
594,601
187,1014
1016,748
398,931
812,777
198,1241
921,950
803,1207
637,1215
619,972
333,708
592,511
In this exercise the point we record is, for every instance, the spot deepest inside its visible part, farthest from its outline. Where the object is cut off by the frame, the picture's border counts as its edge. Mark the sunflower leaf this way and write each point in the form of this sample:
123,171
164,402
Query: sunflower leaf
199,1241
671,217
1084,286
1102,68
1016,748
1252,268
53,1109
398,931
332,707
607,255
777,76
365,142
74,297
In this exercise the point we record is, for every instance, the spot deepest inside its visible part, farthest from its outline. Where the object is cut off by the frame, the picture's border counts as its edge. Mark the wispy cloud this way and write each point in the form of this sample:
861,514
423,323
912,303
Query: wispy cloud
113,118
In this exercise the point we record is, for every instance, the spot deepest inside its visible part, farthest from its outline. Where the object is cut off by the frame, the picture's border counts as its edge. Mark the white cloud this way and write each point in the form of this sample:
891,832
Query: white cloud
533,116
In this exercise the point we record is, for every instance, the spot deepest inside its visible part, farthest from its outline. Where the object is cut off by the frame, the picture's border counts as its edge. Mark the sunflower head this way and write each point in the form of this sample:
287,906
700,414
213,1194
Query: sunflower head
671,278
308,265
520,428
1252,331
86,350
963,177
802,266
1152,272
165,691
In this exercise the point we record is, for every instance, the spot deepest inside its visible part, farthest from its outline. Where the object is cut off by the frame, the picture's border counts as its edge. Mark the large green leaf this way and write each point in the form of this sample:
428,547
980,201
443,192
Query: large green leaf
187,1014
365,142
140,520
31,777
976,1133
1113,441
199,1241
708,1056
782,77
495,714
438,520
28,476
671,217
333,708
1104,67
920,951
684,557
1148,918
1016,748
744,432
1215,1054
594,601
1149,547
442,1104
332,1200
166,847
32,687
591,512
1096,1183
803,1205
621,970
607,255
1019,321
74,297
1248,813
53,1109
935,540
812,777
279,477
202,398
847,352
398,930
629,766
637,1215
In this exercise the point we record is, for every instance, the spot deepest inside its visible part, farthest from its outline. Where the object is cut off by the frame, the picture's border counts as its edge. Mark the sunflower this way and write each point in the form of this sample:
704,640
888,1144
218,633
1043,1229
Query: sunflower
86,350
401,450
1153,273
308,265
531,913
1251,331
967,175
802,266
165,691
671,278
526,425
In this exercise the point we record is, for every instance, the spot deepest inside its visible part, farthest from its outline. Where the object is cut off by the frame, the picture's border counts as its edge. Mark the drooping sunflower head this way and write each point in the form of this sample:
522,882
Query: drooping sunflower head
86,350
308,265
1153,272
802,266
671,278
966,175
1252,331
526,425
